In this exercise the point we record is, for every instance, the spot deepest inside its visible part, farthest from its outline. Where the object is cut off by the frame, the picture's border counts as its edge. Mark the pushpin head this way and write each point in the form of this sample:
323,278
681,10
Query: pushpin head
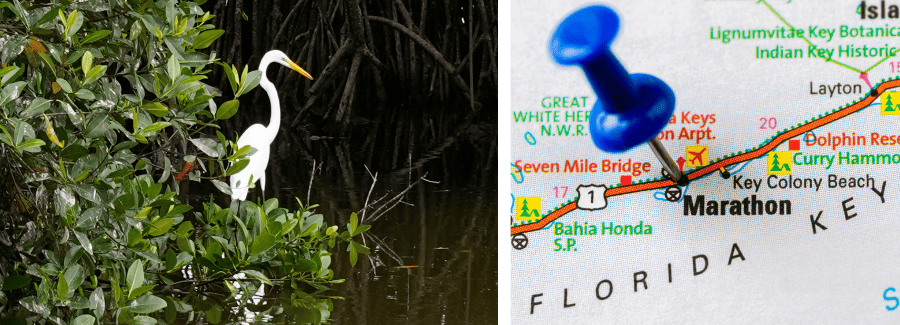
584,35
630,109
618,131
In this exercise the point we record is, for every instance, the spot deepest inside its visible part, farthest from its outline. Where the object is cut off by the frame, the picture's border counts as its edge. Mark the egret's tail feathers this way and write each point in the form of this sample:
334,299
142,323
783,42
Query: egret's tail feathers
239,189
239,193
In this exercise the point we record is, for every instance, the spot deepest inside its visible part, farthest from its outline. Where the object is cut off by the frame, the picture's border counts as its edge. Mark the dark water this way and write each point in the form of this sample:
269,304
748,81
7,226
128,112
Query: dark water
434,255
447,263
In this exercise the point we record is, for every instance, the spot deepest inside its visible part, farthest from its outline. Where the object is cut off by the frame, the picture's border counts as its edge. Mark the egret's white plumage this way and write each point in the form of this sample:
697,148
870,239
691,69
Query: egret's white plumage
258,136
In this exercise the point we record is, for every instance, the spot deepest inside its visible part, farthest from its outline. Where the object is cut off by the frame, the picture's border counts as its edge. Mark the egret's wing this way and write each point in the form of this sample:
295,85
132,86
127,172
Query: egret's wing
240,182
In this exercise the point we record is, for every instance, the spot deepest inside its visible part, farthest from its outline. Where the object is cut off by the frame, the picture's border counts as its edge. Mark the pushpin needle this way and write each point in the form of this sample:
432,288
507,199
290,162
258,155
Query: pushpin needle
660,152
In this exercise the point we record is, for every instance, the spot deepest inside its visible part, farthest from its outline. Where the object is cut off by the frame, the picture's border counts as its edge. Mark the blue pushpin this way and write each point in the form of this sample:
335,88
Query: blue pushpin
631,109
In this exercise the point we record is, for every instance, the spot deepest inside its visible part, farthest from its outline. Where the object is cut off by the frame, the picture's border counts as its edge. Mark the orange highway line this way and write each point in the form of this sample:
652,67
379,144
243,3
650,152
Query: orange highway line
722,163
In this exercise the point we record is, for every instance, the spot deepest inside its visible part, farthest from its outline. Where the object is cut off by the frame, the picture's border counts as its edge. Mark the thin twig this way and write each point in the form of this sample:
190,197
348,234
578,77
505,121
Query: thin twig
312,175
390,253
374,180
396,199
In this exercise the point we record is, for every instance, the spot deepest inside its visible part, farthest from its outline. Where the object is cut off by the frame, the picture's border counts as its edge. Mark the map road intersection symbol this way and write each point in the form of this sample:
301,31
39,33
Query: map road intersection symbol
519,241
673,194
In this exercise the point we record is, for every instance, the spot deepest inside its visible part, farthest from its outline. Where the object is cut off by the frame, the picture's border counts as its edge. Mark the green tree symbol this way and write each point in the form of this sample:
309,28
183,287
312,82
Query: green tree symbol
889,107
526,212
778,167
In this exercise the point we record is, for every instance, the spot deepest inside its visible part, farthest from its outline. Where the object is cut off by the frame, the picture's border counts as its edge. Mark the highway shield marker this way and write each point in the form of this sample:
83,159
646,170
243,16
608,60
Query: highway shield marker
752,154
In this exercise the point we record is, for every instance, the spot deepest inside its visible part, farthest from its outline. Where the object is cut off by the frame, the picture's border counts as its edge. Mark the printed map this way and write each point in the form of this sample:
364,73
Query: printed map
787,125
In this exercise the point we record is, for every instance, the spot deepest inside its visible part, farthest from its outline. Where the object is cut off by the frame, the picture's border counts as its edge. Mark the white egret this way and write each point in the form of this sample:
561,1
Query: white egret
258,136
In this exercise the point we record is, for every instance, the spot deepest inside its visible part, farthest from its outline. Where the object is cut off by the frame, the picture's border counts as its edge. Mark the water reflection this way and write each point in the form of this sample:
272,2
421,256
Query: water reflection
445,273
255,297
434,255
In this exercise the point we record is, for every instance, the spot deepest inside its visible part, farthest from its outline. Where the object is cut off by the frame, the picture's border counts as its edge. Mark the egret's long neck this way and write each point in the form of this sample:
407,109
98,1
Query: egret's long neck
275,119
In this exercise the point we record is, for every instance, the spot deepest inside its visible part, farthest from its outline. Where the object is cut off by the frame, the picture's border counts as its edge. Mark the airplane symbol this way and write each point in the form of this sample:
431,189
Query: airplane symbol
697,157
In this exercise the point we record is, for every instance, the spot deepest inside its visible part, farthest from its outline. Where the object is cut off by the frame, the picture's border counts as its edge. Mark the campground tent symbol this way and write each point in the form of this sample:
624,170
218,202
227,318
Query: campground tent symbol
889,107
777,167
528,208
889,103
778,163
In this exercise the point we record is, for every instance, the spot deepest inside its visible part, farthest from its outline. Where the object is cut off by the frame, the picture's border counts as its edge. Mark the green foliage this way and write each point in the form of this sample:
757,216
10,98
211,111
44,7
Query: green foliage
103,111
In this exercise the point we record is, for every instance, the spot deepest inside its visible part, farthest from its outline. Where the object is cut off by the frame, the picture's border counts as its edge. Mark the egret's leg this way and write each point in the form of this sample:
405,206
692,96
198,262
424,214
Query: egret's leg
262,186
238,213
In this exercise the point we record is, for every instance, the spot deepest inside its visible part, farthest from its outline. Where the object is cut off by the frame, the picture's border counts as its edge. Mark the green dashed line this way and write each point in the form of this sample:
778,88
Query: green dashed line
740,151
808,42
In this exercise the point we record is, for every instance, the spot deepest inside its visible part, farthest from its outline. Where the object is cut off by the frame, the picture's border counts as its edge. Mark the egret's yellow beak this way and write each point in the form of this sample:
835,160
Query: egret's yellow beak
299,69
